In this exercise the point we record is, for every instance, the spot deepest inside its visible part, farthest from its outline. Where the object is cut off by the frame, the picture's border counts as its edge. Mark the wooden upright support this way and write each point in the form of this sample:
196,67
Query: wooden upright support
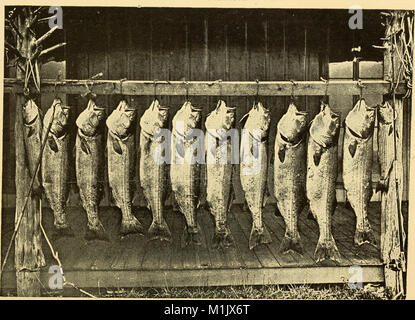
29,257
393,235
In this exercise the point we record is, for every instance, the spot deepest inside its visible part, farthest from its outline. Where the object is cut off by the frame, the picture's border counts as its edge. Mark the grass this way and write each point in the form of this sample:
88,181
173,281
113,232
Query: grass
303,292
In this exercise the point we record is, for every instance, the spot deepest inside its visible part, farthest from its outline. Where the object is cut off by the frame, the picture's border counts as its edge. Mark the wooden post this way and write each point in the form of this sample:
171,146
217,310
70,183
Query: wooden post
29,256
393,236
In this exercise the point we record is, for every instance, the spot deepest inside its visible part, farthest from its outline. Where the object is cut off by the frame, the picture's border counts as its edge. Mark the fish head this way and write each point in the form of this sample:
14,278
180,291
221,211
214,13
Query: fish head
325,127
60,118
154,118
30,112
258,118
223,117
385,114
190,118
120,120
91,119
361,119
292,124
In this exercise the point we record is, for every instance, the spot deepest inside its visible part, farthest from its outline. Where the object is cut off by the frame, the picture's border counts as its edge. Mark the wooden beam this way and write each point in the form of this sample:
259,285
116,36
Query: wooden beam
210,277
209,88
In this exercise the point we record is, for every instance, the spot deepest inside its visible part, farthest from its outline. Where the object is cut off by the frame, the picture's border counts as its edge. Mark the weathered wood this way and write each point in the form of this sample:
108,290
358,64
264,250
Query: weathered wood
29,256
211,277
208,88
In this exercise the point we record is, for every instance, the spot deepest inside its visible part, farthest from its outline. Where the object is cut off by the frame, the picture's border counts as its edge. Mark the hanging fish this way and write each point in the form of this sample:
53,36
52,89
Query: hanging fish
220,170
290,173
321,178
357,166
55,166
390,194
32,131
121,163
185,168
90,166
253,172
153,168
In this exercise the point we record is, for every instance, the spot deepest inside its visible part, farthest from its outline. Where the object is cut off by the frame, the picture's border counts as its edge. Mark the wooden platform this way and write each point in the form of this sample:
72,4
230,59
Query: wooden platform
136,262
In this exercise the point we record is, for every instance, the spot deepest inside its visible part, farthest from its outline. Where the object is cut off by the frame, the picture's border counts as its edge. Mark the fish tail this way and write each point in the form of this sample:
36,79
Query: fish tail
364,236
290,243
259,236
96,232
62,229
130,225
191,235
159,231
222,238
326,249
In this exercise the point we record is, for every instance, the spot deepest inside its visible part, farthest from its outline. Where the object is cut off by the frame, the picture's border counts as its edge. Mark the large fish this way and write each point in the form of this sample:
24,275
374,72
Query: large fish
153,167
219,168
185,168
357,166
390,194
90,166
121,162
32,132
55,167
290,163
321,178
253,168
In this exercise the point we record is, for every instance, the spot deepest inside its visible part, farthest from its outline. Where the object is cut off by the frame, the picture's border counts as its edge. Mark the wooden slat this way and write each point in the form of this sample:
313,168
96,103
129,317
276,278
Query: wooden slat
211,277
210,88
263,253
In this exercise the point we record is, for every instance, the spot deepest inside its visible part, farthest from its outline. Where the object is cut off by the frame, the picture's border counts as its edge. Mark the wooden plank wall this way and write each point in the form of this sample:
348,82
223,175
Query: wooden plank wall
197,44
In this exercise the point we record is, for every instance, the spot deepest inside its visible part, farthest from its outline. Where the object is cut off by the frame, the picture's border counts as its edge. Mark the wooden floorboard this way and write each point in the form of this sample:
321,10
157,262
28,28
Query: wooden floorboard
135,259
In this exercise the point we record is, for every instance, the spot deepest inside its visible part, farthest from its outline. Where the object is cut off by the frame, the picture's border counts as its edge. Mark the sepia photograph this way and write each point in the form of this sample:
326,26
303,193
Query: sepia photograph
206,151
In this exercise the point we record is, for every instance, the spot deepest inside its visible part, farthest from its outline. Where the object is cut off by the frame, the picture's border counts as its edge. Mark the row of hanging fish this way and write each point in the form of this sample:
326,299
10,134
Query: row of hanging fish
305,167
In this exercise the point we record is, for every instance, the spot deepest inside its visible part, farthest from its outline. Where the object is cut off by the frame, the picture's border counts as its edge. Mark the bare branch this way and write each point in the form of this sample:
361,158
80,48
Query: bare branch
45,36
52,48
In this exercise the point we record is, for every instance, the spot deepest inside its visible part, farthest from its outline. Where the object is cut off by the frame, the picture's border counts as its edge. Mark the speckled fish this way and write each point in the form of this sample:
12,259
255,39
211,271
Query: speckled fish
390,242
290,163
253,168
153,168
219,169
55,167
90,166
121,162
185,169
357,166
321,178
32,131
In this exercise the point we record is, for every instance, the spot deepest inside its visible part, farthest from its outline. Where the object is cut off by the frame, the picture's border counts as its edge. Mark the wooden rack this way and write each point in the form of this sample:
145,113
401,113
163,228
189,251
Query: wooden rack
210,88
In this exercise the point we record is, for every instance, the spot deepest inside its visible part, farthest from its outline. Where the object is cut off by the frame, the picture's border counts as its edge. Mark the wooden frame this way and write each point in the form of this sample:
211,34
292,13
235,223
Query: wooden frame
209,88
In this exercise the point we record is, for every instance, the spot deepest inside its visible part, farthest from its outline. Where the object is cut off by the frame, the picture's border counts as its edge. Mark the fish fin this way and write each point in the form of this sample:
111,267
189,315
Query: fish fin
382,185
277,211
85,147
191,236
352,148
52,144
291,244
390,130
31,132
364,236
311,215
131,226
116,145
317,156
97,233
327,250
222,239
159,231
281,154
258,237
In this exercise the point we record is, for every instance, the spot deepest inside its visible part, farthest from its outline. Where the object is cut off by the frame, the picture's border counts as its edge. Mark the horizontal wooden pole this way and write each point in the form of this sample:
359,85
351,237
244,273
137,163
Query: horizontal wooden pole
209,88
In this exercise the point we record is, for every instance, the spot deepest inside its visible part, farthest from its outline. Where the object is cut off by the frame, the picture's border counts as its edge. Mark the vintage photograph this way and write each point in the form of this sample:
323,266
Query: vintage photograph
205,152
